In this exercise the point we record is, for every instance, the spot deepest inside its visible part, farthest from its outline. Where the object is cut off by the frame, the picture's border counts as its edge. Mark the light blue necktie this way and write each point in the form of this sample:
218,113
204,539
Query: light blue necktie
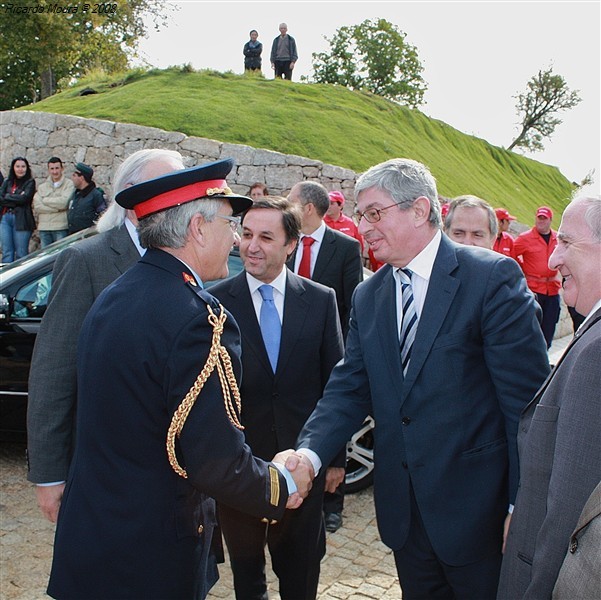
271,328
409,323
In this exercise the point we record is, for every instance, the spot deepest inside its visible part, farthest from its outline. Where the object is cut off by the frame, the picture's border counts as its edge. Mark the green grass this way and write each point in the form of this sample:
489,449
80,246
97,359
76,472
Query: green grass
328,123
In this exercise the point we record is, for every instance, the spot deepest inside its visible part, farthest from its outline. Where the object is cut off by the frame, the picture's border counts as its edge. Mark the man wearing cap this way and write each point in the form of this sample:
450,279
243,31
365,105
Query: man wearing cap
285,372
471,221
336,219
158,431
504,240
323,254
560,430
87,202
532,250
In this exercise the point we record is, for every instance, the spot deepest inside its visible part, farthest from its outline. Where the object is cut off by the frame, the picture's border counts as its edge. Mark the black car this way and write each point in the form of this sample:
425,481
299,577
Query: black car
24,289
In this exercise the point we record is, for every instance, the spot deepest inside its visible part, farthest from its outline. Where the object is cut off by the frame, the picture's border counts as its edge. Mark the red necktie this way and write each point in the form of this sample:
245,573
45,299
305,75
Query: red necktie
304,268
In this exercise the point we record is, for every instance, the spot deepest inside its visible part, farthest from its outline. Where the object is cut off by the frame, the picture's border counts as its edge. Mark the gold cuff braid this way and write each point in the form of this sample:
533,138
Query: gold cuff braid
218,357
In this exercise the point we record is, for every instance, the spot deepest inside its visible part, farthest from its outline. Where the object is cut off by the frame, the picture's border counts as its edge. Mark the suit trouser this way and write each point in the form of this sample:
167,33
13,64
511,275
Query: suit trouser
282,67
423,576
296,545
551,308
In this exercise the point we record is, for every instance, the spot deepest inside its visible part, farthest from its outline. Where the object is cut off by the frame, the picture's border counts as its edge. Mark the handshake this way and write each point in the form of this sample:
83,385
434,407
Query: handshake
302,472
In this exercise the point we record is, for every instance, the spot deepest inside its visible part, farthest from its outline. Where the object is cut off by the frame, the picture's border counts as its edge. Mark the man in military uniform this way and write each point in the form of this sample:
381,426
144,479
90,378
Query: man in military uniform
158,366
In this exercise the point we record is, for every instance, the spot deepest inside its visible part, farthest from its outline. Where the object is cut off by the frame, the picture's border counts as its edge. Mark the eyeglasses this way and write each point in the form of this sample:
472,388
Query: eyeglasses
373,215
234,221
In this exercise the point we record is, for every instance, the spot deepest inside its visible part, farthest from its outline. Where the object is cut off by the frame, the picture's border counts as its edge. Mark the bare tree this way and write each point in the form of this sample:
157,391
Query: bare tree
547,95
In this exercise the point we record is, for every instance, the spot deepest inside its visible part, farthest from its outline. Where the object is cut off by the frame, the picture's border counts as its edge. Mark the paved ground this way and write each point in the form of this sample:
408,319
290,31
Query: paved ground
357,565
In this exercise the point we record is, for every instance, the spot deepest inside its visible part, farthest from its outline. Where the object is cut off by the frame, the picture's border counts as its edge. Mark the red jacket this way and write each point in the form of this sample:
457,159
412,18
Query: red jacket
504,244
345,225
535,253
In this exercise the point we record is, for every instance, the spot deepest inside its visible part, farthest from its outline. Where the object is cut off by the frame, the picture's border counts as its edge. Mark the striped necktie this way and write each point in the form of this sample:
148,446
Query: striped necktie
409,323
269,322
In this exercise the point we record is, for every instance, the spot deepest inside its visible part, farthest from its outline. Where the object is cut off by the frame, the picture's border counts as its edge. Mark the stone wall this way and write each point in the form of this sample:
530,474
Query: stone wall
105,144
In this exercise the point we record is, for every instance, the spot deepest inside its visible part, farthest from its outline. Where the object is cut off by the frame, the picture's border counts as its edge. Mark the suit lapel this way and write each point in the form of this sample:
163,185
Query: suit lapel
325,254
442,289
126,253
296,310
578,335
243,310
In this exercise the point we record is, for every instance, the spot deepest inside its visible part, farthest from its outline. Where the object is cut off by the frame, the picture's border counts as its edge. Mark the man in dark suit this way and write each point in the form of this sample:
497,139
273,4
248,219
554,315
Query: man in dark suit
444,350
333,259
80,273
280,388
158,432
560,430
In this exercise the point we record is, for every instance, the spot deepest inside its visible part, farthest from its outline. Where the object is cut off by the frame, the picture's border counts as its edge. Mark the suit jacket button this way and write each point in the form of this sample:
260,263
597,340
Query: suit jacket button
405,420
404,464
573,545
200,529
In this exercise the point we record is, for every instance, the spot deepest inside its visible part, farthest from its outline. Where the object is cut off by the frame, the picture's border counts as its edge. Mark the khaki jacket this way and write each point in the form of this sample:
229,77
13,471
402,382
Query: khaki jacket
50,205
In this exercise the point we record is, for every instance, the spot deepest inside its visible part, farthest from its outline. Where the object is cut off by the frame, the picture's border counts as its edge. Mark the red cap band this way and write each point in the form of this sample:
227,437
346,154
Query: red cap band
181,196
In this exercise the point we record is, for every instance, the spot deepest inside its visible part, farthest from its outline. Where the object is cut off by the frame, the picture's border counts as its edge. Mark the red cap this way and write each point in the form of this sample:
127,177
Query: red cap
503,215
336,196
544,211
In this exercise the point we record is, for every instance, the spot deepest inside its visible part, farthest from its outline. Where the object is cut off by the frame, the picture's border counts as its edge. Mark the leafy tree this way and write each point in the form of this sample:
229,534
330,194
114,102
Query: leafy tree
37,49
372,56
547,94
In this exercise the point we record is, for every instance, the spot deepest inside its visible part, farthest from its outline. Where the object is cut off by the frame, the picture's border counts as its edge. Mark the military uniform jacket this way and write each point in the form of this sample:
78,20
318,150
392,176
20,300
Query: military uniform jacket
129,526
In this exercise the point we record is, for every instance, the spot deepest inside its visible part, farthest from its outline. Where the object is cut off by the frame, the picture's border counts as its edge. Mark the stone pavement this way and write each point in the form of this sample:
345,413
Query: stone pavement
357,566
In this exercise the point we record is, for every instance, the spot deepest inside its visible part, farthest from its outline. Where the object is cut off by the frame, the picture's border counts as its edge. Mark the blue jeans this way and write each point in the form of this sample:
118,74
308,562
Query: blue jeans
47,237
15,244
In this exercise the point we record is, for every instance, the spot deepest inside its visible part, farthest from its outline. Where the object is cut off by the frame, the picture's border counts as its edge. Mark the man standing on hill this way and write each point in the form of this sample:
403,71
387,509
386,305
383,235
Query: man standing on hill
283,54
534,248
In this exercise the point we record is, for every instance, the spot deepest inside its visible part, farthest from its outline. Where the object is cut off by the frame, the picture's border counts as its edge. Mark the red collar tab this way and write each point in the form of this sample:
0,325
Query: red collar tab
182,195
189,279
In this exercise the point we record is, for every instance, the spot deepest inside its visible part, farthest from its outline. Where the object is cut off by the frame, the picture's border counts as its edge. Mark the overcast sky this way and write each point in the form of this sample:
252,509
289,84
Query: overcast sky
476,55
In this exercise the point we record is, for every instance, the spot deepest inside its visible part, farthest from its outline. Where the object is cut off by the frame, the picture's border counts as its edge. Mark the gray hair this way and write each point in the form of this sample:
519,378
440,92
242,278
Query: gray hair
130,172
469,201
169,228
311,192
405,180
592,214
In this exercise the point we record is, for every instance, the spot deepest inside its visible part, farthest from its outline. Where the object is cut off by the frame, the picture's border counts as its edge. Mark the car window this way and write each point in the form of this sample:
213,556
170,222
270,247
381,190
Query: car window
32,298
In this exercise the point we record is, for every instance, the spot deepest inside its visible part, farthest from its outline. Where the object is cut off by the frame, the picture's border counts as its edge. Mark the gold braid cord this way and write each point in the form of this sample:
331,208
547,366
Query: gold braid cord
220,359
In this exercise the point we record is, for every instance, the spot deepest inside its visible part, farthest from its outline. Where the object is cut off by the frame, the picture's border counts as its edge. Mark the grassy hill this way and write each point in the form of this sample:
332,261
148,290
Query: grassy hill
329,123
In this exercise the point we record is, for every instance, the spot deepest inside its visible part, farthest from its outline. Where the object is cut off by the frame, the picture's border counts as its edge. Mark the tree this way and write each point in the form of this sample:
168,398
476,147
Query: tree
372,56
547,95
40,44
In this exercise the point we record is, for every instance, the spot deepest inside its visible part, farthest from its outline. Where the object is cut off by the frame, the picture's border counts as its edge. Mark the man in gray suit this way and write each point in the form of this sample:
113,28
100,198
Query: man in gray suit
558,439
580,575
79,275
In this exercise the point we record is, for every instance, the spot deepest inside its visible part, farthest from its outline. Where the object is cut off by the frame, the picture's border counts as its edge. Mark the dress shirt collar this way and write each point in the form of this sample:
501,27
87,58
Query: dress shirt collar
133,234
279,283
591,313
317,235
423,263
